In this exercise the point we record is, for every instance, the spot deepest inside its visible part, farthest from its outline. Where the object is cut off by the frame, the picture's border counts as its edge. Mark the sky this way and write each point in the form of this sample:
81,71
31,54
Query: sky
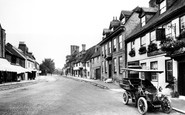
49,27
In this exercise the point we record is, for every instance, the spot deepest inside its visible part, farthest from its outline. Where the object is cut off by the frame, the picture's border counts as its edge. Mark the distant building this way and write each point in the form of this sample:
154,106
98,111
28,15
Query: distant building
30,62
95,67
2,42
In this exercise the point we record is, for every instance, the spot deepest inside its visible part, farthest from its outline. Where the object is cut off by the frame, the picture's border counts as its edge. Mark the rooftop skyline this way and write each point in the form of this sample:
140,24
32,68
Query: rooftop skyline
49,27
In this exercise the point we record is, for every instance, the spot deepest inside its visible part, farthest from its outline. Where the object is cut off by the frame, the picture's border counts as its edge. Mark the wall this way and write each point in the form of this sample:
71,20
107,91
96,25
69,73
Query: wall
95,65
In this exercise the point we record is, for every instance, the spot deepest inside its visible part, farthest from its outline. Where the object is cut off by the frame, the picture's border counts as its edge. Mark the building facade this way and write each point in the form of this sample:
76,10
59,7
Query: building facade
95,68
112,51
147,46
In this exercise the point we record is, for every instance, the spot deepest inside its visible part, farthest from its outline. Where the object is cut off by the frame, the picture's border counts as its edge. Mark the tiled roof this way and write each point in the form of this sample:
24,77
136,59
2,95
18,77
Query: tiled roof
96,54
88,54
145,9
79,59
9,48
157,19
110,36
125,13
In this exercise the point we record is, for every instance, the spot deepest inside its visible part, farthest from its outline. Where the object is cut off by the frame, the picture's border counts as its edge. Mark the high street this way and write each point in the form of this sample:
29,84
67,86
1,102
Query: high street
57,95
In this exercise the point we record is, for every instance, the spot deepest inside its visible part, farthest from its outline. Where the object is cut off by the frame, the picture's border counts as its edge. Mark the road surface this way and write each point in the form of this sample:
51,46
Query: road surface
57,95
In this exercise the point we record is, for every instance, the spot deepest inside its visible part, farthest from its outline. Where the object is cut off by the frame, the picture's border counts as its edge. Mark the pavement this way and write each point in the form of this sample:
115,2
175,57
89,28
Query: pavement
178,104
13,85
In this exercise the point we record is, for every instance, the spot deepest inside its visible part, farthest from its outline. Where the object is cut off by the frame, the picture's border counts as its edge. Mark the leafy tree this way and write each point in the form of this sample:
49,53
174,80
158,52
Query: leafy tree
47,66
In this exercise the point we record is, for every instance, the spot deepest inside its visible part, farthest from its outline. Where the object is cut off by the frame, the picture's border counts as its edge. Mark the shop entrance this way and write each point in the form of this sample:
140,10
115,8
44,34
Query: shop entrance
181,78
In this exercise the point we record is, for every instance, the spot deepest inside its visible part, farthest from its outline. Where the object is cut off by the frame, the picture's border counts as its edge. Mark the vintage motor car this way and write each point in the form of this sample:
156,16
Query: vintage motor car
143,93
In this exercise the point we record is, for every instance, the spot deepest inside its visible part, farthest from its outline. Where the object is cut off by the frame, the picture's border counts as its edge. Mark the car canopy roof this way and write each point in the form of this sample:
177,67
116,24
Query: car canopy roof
143,70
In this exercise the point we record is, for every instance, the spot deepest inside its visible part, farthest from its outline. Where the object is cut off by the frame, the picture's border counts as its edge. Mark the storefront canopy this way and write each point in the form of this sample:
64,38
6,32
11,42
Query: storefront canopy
6,66
142,70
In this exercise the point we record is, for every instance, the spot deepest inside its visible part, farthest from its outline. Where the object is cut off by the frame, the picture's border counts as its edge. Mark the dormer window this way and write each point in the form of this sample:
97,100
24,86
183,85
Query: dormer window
123,21
162,6
143,21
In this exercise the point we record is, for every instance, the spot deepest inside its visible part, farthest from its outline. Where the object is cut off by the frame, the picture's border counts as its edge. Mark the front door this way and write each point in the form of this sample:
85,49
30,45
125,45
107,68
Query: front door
110,70
181,78
98,73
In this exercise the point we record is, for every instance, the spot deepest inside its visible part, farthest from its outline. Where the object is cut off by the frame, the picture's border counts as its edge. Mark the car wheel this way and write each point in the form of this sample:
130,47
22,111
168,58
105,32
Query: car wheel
166,106
142,105
125,98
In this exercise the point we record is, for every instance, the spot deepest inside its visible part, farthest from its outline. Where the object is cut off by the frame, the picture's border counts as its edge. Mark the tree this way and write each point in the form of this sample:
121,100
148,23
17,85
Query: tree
47,66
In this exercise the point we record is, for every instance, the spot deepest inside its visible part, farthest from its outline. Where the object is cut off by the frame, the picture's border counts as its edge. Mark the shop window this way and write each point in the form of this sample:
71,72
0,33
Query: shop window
169,70
154,66
143,65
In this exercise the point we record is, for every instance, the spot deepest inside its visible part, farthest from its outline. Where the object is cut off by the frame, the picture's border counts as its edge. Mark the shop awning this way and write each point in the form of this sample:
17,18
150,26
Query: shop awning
19,69
6,66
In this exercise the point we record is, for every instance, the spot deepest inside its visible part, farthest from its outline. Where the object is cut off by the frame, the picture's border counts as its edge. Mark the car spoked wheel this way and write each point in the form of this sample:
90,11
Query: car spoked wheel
125,98
142,105
166,106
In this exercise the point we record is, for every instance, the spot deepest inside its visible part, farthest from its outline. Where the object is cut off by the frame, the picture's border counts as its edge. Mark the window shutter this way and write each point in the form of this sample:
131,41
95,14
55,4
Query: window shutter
160,34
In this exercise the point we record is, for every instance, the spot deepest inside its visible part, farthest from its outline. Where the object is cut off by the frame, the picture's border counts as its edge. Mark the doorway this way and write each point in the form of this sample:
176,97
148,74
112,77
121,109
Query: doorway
110,70
98,73
181,78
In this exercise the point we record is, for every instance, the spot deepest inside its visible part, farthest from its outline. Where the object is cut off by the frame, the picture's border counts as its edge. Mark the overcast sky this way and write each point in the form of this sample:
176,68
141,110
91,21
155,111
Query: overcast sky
49,27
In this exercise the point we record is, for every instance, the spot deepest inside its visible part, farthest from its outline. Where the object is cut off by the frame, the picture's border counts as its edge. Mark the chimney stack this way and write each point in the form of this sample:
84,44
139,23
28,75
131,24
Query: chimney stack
83,47
23,47
152,3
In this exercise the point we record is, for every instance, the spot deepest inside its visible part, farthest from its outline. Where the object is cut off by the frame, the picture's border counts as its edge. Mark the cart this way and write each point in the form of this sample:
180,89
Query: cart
143,93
